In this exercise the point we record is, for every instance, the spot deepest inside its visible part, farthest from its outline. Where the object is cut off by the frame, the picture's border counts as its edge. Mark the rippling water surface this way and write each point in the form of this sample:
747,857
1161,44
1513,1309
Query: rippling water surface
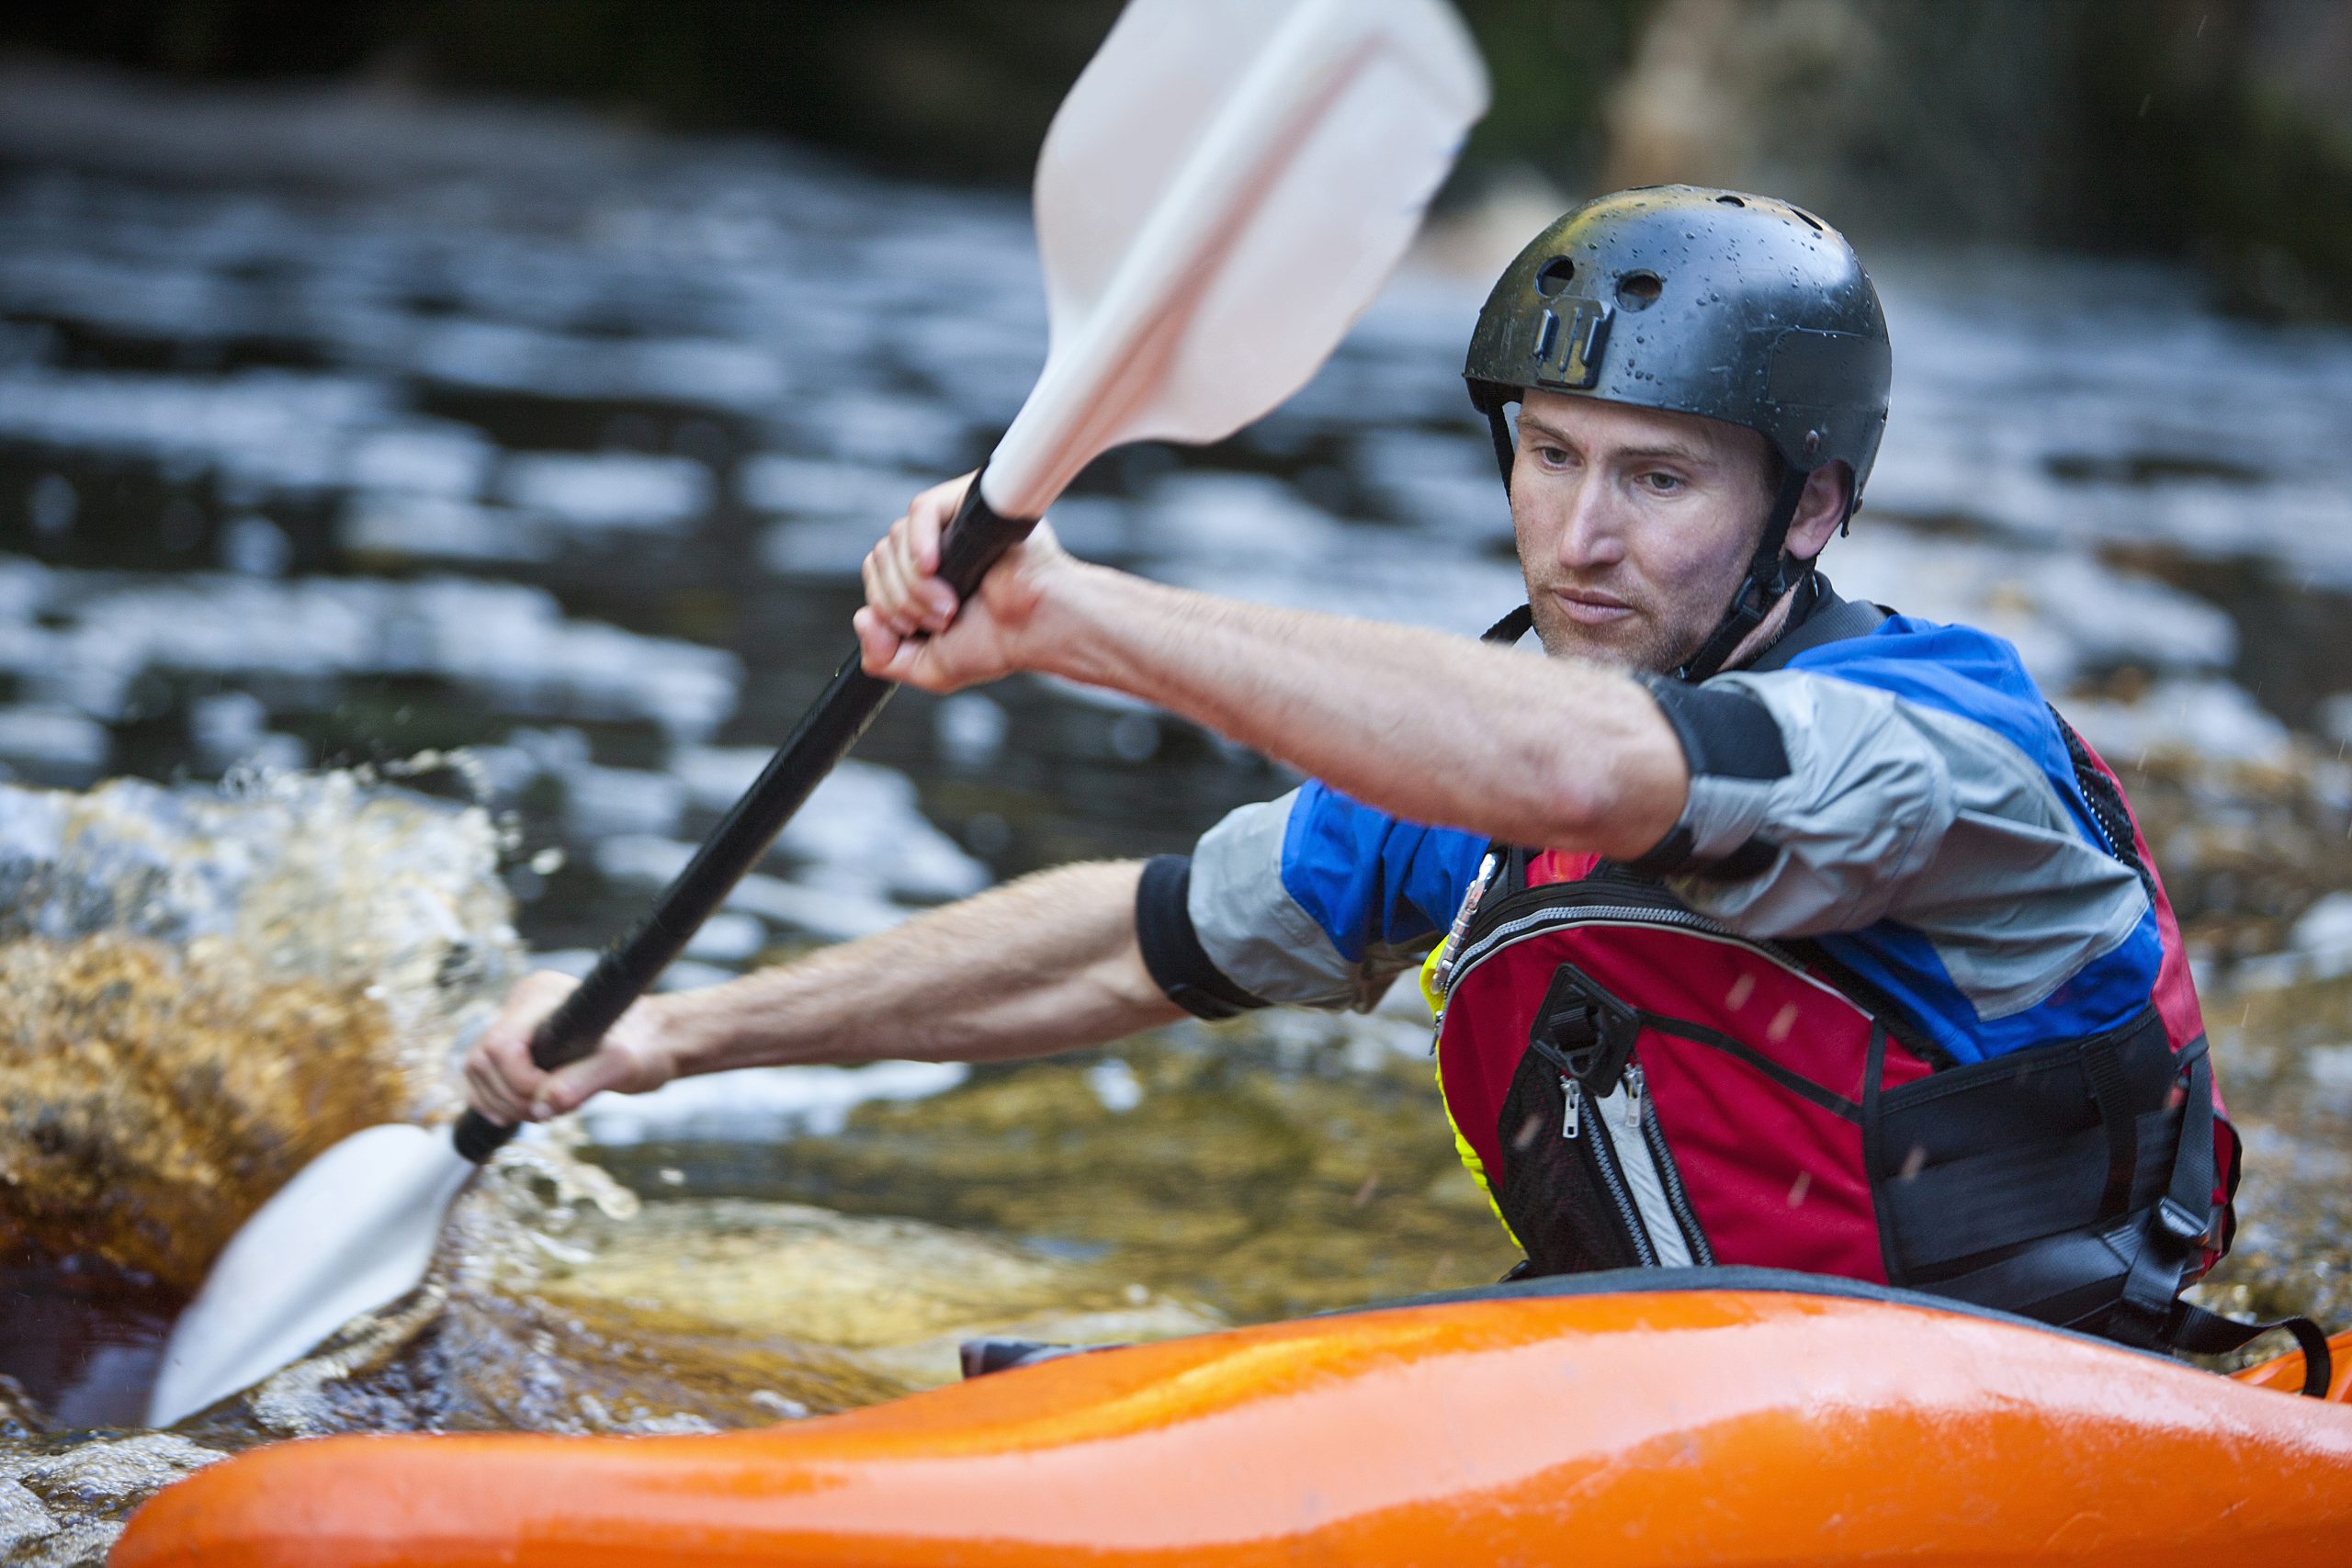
524,463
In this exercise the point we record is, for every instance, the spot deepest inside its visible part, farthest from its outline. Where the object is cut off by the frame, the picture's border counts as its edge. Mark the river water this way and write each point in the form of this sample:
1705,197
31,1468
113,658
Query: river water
478,492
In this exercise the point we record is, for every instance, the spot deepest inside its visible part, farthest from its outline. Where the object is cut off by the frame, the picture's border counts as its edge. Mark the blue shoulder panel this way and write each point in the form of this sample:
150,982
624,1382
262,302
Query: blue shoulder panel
1974,676
1367,877
1904,966
1968,674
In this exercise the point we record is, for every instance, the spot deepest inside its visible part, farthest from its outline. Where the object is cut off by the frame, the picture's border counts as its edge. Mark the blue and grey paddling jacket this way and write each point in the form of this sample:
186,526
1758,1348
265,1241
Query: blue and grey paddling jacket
1900,999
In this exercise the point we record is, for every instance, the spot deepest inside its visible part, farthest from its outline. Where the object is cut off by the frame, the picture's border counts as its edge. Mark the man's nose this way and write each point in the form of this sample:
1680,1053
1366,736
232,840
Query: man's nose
1592,527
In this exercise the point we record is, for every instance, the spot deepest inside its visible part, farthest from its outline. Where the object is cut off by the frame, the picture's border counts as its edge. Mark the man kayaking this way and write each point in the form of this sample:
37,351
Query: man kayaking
1765,927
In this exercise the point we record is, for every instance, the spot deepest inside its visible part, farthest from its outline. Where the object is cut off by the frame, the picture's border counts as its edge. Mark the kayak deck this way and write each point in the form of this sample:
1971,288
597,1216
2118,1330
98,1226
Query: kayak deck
1718,1425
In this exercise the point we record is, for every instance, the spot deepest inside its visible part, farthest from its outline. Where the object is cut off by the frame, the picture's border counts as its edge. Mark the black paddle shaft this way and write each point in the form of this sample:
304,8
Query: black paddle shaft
831,727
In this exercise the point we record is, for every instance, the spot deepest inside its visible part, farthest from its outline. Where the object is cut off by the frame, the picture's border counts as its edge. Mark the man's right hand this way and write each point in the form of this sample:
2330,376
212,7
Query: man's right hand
912,628
507,1087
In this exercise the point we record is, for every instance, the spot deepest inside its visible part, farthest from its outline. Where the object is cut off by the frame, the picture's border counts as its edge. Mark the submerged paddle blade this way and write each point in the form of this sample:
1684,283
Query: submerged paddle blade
1221,195
353,1231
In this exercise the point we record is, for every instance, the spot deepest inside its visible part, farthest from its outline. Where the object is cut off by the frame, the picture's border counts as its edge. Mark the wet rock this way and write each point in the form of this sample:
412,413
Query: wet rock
158,1182
558,1303
23,1519
19,1417
2184,127
61,1506
2208,720
110,1474
2245,849
1228,1182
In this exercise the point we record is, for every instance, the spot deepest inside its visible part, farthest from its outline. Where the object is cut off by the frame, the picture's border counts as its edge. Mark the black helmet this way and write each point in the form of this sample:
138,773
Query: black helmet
1713,302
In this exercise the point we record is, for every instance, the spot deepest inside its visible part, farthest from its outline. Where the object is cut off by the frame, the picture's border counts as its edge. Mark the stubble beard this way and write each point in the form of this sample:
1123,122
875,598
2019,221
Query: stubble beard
1638,642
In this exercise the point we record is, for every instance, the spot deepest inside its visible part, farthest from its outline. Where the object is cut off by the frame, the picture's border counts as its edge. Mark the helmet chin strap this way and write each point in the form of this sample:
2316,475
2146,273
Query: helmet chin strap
1498,427
1771,572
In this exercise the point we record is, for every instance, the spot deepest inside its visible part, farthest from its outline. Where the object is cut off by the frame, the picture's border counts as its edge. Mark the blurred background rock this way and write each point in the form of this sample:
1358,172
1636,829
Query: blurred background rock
2219,131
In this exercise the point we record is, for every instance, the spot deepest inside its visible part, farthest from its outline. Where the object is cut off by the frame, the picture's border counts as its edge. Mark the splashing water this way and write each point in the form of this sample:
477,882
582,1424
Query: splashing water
206,990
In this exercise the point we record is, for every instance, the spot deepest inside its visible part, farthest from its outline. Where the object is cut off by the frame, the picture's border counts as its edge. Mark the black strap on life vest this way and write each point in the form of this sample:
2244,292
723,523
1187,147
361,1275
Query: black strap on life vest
2119,1276
2175,1239
2193,1329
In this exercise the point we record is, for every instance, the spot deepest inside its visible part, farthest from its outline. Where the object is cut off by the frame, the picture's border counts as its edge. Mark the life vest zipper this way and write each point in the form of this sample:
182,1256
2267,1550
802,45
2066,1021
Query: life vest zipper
1623,1114
1502,930
1669,1176
1450,954
1604,1164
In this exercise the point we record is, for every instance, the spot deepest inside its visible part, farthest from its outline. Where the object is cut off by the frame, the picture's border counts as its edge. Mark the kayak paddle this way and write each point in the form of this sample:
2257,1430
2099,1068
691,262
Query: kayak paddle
1220,195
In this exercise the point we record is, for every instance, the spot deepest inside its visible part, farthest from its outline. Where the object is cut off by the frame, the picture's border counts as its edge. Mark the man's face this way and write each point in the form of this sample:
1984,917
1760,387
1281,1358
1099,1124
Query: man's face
1634,525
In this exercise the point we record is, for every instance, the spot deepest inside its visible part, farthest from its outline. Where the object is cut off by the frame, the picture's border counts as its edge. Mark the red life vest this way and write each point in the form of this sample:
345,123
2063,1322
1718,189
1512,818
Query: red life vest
1637,1085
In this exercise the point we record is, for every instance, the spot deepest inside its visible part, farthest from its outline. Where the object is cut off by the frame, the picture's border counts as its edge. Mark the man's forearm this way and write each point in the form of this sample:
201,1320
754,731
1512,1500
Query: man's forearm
1045,964
1553,753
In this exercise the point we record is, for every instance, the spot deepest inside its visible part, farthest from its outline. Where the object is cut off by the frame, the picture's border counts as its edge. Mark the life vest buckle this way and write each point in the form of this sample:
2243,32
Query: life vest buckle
1583,1031
2183,1226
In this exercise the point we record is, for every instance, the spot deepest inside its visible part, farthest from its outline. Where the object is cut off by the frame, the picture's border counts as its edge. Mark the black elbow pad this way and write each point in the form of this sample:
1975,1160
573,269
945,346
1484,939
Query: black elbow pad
1171,947
1725,734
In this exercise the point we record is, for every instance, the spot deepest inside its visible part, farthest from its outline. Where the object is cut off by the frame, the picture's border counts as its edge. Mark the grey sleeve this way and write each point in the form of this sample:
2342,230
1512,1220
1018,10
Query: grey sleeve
1255,932
1888,809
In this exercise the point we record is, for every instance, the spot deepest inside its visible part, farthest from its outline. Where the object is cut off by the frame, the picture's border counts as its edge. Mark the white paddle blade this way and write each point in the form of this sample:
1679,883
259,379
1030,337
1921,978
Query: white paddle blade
353,1231
1221,195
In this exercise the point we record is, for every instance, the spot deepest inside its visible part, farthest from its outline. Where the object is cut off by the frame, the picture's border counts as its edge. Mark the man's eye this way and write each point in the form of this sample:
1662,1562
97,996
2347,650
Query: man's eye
1553,456
1663,484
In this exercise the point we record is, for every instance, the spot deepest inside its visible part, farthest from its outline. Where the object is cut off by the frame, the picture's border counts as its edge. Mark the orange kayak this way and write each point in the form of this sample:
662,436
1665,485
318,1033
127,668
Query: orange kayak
1824,1424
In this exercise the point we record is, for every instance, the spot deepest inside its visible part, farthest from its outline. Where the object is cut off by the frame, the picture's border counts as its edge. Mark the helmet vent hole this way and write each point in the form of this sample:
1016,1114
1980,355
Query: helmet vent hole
1554,276
1731,202
1813,222
1639,291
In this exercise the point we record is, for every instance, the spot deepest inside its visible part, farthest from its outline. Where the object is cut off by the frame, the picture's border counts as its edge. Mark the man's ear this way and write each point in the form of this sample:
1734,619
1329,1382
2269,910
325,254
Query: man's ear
1820,510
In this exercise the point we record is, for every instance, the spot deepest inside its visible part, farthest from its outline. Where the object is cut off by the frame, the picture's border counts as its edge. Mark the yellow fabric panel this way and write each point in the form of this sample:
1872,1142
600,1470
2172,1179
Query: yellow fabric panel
1428,976
1461,1149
